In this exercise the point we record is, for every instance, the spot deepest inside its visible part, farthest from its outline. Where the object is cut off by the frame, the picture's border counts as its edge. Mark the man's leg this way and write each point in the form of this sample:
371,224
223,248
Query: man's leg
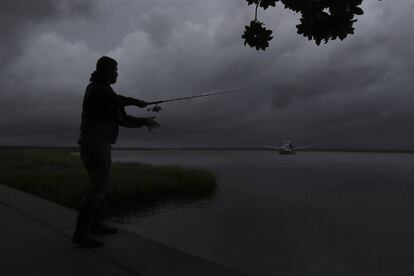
97,160
99,227
84,221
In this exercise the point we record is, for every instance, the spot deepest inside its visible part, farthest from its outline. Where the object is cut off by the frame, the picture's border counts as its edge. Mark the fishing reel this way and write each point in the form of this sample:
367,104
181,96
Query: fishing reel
155,108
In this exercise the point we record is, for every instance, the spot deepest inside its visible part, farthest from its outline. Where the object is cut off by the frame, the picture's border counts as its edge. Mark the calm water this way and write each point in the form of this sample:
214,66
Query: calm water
305,214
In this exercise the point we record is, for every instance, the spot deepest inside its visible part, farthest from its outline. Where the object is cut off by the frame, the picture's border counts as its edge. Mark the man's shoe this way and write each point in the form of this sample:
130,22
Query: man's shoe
88,242
104,230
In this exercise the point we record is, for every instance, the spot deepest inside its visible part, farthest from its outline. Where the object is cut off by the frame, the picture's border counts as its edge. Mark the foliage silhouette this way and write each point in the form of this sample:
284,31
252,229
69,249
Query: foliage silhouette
257,36
321,20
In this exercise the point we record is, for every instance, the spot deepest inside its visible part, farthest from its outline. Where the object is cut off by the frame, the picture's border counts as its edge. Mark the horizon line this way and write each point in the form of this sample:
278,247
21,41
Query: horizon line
212,148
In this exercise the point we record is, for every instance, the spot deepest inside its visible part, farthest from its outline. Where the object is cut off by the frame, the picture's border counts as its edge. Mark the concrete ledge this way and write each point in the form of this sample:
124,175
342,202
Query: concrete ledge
37,237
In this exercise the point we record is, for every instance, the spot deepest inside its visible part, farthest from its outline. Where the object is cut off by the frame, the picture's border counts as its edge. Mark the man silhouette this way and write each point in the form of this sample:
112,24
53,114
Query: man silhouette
103,111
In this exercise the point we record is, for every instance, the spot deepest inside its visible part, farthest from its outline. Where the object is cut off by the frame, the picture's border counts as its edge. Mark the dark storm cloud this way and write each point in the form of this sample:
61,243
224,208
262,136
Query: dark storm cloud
354,93
19,17
344,88
159,24
35,68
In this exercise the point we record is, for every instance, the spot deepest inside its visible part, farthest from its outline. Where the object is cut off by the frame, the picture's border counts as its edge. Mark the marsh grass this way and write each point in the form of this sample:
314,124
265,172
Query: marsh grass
59,176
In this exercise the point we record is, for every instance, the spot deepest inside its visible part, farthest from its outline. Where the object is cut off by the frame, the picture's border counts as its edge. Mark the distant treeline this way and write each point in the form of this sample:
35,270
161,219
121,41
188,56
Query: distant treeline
316,149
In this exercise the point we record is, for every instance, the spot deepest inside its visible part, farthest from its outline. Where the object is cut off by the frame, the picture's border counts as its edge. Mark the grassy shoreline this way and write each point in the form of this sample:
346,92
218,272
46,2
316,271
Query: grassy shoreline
58,176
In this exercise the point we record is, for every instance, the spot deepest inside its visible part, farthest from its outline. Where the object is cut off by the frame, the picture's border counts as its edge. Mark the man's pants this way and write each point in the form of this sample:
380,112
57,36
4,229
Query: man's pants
97,160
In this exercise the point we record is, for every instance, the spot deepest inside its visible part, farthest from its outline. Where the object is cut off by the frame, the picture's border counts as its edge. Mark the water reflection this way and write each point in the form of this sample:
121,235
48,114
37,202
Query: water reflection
154,209
308,214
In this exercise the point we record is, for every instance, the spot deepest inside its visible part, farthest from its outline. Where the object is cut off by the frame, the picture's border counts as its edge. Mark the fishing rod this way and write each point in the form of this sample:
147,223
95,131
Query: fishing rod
157,108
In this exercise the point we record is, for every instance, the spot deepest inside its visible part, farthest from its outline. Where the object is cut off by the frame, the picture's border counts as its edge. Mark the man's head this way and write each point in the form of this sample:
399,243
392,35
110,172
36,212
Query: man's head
107,68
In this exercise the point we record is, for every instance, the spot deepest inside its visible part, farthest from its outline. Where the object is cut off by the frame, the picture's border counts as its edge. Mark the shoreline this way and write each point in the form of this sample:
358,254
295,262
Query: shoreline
71,148
59,176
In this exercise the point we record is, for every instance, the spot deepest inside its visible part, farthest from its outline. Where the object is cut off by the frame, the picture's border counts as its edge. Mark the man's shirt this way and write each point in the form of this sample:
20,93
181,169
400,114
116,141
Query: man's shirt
102,112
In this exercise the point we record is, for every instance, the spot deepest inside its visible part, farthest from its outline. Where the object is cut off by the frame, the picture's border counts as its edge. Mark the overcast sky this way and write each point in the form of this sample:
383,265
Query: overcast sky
355,93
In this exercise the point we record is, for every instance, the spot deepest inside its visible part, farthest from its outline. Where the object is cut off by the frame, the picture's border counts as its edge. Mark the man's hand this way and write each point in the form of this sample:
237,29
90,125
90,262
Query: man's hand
151,123
140,103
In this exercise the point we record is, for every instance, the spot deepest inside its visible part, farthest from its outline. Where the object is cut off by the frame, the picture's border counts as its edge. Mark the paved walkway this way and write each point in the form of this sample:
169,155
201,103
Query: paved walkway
35,240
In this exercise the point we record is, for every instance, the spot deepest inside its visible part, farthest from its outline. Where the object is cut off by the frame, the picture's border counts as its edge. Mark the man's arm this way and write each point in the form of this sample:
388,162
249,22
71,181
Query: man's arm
125,101
135,122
